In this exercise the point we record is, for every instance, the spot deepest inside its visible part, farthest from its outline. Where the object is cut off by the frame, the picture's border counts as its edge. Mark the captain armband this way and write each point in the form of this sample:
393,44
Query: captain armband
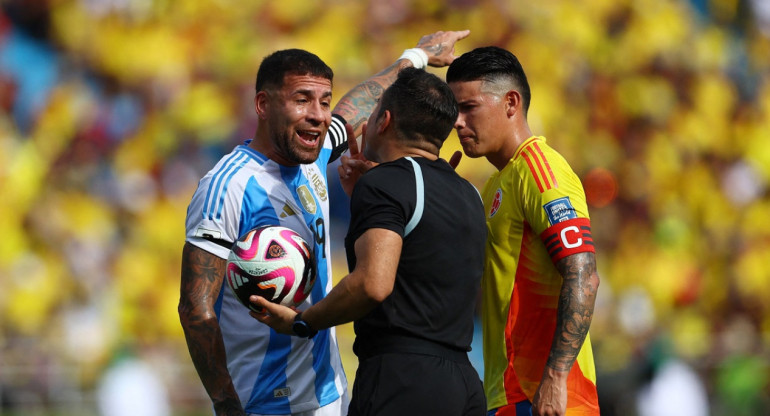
568,237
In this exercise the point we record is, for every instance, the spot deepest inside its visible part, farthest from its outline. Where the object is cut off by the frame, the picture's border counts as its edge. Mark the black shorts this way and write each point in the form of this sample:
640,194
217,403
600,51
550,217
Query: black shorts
403,384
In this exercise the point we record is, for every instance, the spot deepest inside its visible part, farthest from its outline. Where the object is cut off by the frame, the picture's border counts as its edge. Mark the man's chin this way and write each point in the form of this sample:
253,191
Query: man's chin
307,156
471,152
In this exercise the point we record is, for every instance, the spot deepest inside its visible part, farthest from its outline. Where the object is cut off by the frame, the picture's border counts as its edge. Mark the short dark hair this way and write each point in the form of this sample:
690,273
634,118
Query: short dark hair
423,106
489,64
277,65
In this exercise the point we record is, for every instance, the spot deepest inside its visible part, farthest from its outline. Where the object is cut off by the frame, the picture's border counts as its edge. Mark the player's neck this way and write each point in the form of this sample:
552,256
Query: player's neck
517,135
395,149
262,144
407,152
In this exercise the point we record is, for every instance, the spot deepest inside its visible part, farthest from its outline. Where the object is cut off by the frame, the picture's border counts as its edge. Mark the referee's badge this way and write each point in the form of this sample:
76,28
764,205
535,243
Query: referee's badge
496,202
306,198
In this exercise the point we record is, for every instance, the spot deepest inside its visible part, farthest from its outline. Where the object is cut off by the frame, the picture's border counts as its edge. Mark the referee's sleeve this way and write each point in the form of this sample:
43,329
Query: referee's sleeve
337,137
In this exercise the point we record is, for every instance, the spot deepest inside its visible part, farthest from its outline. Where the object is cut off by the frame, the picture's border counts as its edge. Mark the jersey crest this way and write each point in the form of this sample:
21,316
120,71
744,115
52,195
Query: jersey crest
496,202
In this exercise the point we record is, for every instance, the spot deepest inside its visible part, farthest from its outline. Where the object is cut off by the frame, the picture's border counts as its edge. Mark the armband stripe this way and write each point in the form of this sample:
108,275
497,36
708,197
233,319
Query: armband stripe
337,132
552,245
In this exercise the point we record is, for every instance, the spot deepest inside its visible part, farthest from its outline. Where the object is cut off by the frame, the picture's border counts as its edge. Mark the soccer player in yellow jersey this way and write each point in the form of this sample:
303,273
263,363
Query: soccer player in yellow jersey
540,279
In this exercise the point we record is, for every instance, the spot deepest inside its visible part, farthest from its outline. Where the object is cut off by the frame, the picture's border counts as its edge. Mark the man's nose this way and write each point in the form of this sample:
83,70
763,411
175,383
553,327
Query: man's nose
317,112
459,123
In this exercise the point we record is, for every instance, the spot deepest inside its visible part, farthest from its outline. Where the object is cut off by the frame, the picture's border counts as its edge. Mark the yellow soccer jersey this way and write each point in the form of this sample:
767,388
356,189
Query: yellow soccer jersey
536,214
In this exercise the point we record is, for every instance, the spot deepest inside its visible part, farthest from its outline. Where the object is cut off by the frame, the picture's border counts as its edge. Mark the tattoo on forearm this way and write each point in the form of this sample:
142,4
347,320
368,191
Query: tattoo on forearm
359,102
575,310
202,275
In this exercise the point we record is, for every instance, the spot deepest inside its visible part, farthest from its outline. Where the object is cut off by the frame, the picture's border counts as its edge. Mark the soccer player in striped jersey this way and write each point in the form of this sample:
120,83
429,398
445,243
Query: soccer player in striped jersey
278,177
540,279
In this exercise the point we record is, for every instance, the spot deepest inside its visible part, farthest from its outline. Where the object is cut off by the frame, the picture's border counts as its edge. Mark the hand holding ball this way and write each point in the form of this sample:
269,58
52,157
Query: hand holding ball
273,262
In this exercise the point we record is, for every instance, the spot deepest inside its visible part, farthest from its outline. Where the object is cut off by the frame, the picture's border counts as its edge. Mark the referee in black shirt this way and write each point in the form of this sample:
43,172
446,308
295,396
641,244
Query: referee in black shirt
415,249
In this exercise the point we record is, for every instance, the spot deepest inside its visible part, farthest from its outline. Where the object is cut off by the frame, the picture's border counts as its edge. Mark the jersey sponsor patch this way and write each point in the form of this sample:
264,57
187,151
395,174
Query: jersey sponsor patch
559,210
568,237
496,202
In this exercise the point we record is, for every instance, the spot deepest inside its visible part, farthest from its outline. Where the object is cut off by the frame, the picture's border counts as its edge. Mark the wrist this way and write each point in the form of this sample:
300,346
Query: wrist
301,328
229,407
555,373
416,56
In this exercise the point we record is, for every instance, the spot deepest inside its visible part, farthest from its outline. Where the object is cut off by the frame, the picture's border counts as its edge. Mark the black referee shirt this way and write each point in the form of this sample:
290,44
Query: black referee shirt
439,273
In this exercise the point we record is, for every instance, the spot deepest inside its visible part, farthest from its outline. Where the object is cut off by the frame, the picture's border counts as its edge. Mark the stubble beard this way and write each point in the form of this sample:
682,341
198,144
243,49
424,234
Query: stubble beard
288,147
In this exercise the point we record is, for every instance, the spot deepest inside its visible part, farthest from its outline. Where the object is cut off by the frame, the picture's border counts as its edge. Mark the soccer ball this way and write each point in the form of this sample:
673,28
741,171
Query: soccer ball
273,262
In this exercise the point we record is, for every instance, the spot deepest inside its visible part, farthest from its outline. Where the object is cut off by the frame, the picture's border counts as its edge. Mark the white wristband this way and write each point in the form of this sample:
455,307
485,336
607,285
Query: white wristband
417,56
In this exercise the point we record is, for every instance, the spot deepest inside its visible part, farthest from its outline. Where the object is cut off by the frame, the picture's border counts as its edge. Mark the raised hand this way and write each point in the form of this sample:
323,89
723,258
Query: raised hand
352,167
358,103
440,46
455,159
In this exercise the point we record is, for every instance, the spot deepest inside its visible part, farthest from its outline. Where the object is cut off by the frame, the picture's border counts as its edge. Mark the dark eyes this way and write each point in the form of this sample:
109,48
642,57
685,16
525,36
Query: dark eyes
324,104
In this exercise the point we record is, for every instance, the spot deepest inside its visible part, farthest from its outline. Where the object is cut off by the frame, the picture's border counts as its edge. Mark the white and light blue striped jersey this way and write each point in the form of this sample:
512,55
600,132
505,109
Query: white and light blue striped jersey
273,373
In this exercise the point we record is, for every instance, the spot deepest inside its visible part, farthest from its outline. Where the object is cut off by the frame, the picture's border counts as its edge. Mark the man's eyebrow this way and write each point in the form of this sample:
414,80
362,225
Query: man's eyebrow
311,92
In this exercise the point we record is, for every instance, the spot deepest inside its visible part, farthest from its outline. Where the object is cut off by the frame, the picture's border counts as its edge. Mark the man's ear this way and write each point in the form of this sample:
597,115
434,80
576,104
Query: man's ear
513,102
384,121
260,104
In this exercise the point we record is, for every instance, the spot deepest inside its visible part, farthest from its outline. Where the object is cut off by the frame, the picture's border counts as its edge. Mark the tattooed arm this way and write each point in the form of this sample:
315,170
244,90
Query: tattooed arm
202,274
575,311
356,106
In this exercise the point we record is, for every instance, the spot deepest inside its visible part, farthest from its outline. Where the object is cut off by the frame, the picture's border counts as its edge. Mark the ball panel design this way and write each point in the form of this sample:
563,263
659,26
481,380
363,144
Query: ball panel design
273,262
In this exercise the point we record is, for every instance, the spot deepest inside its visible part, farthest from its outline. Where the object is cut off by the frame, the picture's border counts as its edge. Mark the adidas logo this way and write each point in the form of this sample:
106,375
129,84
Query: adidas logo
287,211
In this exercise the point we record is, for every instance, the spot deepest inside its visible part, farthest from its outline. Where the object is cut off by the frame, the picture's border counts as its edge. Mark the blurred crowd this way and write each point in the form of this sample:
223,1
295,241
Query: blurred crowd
111,110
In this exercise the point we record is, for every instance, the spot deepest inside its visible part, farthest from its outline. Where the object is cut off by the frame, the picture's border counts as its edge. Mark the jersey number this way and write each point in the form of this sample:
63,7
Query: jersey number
319,234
